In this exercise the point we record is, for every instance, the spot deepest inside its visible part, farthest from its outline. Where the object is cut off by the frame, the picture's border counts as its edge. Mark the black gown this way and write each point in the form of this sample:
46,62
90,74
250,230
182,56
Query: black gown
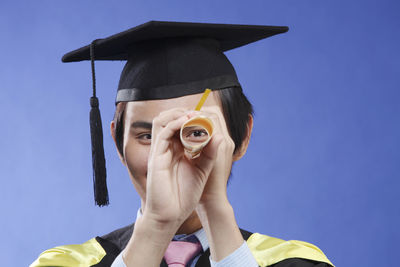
114,242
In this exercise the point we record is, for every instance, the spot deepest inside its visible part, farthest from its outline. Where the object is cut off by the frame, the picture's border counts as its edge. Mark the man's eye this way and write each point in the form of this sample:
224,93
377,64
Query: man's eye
145,136
195,135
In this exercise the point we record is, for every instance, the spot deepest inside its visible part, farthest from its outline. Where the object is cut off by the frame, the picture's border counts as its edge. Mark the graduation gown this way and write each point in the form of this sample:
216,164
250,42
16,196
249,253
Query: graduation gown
101,251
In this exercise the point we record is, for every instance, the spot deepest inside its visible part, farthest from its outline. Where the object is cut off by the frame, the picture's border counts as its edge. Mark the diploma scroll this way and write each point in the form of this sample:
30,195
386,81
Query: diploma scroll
195,134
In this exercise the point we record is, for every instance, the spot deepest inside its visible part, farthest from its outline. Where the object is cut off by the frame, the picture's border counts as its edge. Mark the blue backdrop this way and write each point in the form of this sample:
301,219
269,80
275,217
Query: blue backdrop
323,163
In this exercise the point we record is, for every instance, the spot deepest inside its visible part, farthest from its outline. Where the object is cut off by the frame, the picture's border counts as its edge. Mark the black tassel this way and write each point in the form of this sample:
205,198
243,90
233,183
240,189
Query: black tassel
96,132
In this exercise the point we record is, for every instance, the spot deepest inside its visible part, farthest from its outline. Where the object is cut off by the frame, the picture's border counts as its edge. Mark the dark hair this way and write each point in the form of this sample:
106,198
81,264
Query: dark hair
235,107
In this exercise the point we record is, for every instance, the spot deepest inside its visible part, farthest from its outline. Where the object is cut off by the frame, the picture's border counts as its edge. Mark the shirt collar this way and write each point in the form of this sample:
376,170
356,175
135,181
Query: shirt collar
199,234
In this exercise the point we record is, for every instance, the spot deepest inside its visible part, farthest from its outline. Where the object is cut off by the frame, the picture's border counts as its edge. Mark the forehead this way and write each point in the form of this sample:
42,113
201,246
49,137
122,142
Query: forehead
147,110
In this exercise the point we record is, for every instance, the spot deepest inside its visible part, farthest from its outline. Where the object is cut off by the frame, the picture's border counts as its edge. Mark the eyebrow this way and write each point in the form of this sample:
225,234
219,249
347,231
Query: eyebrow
142,124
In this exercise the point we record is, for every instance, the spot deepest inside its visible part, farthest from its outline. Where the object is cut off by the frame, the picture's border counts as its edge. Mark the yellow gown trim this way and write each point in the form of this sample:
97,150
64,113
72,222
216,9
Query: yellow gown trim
82,255
269,250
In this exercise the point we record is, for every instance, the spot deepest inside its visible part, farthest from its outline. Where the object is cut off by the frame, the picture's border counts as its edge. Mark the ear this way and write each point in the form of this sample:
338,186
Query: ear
112,129
243,148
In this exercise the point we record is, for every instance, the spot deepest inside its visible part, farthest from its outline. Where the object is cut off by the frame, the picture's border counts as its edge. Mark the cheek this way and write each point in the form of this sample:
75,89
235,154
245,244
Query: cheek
136,156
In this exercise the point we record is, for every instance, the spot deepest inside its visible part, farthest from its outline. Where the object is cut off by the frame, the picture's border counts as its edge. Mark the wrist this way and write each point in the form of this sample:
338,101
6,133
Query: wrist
148,243
155,227
215,213
214,204
219,223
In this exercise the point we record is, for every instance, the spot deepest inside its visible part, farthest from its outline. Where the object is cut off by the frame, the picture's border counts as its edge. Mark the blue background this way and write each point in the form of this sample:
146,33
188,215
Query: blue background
323,163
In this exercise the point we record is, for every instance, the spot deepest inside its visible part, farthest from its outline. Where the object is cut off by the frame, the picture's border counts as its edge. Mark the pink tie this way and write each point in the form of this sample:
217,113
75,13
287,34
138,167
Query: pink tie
179,253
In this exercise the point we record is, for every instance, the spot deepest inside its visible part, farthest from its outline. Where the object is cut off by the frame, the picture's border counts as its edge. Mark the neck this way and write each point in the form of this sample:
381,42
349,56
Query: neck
190,225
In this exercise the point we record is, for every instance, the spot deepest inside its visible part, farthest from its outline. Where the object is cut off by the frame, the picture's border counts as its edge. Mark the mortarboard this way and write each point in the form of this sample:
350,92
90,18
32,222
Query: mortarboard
164,60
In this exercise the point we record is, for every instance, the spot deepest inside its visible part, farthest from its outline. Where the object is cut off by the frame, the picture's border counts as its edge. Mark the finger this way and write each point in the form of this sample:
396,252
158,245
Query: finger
166,116
162,120
220,126
163,138
209,155
218,119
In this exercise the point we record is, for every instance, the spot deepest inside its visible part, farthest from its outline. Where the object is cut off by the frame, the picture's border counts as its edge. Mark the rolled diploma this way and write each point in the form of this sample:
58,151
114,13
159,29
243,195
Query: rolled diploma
201,123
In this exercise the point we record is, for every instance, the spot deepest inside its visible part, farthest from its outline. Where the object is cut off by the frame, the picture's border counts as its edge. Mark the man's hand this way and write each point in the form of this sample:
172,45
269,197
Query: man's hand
175,184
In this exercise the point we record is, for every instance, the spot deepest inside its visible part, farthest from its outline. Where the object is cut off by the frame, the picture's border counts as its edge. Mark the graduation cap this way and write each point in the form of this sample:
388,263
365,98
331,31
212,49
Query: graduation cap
164,60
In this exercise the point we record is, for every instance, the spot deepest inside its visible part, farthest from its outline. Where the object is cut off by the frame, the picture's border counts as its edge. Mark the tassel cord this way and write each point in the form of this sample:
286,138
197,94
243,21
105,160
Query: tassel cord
96,132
